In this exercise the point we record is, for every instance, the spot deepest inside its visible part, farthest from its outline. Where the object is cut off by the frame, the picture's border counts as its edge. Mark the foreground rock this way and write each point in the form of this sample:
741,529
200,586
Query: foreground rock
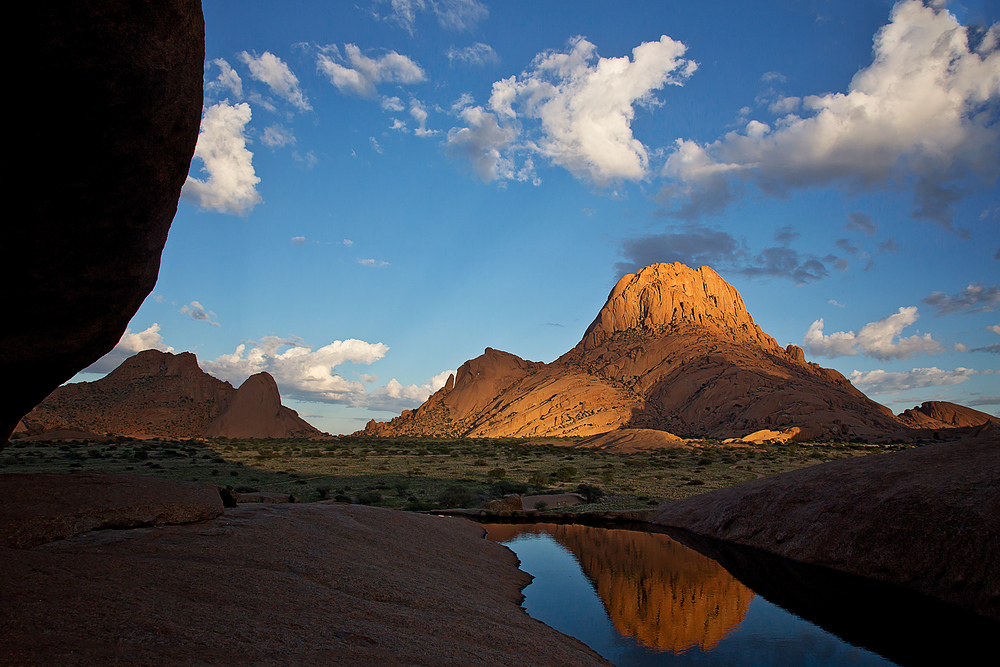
277,584
673,349
159,394
78,264
40,508
927,518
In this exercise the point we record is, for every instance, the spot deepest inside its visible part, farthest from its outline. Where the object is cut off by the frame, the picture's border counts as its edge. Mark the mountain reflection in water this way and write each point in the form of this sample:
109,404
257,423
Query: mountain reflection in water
662,594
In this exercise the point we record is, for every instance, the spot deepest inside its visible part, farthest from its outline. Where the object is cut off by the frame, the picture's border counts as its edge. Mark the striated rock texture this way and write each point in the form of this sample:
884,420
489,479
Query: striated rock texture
673,349
100,184
255,411
285,584
927,519
942,414
159,394
628,440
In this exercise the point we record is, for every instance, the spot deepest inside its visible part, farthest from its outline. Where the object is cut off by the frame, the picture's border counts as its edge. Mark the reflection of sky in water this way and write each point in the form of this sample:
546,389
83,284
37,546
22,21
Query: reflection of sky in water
563,597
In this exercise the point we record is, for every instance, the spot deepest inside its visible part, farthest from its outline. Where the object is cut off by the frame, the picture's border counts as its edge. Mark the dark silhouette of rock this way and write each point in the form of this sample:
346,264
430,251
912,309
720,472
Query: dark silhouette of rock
927,518
255,411
99,182
40,508
673,349
159,394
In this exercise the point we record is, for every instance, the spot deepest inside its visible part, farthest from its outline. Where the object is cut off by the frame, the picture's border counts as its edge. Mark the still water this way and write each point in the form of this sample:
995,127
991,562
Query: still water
642,598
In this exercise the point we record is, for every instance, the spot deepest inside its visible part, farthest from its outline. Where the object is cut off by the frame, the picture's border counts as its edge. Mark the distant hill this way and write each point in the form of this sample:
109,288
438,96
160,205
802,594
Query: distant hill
942,414
673,349
158,394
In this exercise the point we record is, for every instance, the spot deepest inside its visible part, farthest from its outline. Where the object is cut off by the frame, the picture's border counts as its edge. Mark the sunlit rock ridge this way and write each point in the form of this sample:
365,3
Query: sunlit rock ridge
673,349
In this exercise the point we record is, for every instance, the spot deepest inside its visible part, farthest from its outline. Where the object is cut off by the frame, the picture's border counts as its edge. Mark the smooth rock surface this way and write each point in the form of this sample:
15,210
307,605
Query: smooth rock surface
40,508
628,440
255,411
277,584
926,518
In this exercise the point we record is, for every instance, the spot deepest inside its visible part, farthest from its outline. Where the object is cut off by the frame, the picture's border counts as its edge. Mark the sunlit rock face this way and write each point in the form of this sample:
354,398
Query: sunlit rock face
673,349
664,595
942,414
115,92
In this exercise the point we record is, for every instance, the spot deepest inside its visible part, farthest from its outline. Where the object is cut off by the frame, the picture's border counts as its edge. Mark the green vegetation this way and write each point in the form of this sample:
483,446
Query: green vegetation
427,473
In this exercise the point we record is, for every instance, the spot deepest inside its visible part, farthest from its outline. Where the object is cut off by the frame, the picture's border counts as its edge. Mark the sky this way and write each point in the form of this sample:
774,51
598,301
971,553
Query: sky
384,188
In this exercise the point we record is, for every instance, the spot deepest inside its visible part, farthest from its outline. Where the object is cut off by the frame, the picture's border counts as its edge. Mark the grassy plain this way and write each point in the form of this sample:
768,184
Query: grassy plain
423,473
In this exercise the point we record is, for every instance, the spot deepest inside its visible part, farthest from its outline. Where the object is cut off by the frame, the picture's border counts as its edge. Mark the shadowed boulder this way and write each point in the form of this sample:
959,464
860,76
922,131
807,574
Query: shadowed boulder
101,179
926,518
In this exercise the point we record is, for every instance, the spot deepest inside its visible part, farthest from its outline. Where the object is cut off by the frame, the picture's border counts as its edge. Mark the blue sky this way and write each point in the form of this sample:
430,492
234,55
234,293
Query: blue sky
383,189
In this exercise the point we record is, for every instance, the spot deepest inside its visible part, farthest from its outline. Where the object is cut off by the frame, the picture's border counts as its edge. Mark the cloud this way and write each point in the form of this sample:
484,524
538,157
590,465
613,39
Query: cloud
585,104
392,103
477,54
456,15
309,160
995,328
884,382
376,146
360,74
310,375
130,344
298,369
348,242
888,246
277,136
372,262
992,348
228,82
198,312
270,69
231,183
859,222
973,299
299,240
696,245
419,114
769,77
487,145
395,397
876,339
918,116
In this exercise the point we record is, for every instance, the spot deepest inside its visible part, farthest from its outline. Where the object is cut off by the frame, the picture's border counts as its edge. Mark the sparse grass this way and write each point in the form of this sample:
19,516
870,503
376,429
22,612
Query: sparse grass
424,473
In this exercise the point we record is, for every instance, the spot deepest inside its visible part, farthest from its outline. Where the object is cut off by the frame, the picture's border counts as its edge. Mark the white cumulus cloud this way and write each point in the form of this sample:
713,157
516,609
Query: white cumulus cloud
880,339
198,312
230,186
228,82
919,114
130,344
885,382
584,105
358,74
272,70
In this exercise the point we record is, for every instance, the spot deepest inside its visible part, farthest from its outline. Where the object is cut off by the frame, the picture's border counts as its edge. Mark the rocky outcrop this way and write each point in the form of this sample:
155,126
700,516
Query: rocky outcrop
942,414
927,519
99,186
673,349
152,394
40,508
277,584
159,394
255,411
628,440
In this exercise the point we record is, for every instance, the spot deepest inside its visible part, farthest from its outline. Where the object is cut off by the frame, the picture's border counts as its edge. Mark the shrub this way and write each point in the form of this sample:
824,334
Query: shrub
590,492
497,473
457,495
369,497
323,491
565,474
506,487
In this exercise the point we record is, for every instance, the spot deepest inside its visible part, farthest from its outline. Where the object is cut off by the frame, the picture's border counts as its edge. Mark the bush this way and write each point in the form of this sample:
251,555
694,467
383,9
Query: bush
323,491
370,498
565,474
497,473
590,492
457,495
505,487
